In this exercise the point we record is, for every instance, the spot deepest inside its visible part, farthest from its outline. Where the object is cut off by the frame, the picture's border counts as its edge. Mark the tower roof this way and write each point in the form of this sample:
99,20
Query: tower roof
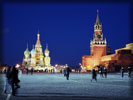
33,51
27,52
38,38
97,20
46,50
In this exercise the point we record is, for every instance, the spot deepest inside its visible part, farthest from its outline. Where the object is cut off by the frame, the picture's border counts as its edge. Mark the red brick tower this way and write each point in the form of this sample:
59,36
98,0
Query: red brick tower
98,45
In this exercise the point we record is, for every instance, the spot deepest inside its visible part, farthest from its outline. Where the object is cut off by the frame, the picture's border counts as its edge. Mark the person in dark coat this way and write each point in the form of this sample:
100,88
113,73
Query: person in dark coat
68,70
101,71
14,79
94,75
31,70
129,71
5,70
105,72
122,72
80,69
27,71
64,72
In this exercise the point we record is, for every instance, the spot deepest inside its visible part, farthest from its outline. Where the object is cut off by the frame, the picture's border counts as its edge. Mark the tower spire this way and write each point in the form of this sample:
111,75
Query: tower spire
38,36
27,45
33,46
97,20
38,30
47,46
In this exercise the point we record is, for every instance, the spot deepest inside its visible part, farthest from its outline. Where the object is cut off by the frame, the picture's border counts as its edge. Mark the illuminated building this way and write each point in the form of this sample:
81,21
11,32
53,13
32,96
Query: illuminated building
47,58
35,58
123,57
97,47
26,60
39,54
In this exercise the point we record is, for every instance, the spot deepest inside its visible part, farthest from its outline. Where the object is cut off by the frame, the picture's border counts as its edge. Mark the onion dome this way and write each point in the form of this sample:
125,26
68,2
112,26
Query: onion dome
33,52
27,52
46,50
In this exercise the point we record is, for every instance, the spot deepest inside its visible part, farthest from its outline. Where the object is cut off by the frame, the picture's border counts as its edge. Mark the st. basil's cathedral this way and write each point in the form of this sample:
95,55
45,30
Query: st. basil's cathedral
35,58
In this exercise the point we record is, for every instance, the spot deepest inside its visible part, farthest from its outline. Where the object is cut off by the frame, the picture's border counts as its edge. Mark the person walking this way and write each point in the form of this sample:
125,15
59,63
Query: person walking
7,87
31,70
27,71
64,70
105,72
122,72
68,70
129,71
14,80
101,71
94,75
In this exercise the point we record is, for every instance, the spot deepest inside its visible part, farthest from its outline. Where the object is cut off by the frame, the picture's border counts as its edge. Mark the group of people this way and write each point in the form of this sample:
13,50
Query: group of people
12,80
122,70
27,70
101,70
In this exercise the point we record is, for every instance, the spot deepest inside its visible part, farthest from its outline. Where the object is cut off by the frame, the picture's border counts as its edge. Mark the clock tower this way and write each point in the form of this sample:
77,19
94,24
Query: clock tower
98,44
98,29
97,47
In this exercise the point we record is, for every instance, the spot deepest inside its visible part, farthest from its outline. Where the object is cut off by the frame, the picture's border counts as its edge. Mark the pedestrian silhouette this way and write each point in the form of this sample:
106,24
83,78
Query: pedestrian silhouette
64,72
94,75
68,70
122,72
7,87
31,70
129,71
27,71
105,72
101,71
14,80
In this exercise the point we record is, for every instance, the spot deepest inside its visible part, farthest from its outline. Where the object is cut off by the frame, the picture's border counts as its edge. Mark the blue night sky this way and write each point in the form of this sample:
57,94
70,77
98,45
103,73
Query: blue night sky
66,27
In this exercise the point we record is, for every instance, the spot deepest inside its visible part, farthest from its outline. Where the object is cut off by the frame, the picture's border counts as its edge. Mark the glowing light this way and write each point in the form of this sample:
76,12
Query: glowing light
80,64
56,65
88,67
97,11
17,66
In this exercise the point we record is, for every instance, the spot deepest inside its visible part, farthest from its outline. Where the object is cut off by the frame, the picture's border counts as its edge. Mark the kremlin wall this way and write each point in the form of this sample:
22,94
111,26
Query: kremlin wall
100,54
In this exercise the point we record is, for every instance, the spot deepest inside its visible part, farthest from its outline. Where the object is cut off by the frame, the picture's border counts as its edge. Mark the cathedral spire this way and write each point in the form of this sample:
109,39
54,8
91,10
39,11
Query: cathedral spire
33,46
38,30
27,45
47,46
97,20
26,52
38,36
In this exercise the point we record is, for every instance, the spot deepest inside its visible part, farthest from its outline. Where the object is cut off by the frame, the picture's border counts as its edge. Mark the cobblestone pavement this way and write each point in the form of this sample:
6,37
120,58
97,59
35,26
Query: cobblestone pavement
55,87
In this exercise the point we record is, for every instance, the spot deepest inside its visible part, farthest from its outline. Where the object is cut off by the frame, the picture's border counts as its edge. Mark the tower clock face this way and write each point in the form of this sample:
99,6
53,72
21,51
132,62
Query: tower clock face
99,36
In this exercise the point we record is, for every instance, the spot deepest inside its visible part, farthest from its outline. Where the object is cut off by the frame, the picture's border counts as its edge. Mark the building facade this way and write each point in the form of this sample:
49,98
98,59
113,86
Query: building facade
123,57
100,53
97,47
35,58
